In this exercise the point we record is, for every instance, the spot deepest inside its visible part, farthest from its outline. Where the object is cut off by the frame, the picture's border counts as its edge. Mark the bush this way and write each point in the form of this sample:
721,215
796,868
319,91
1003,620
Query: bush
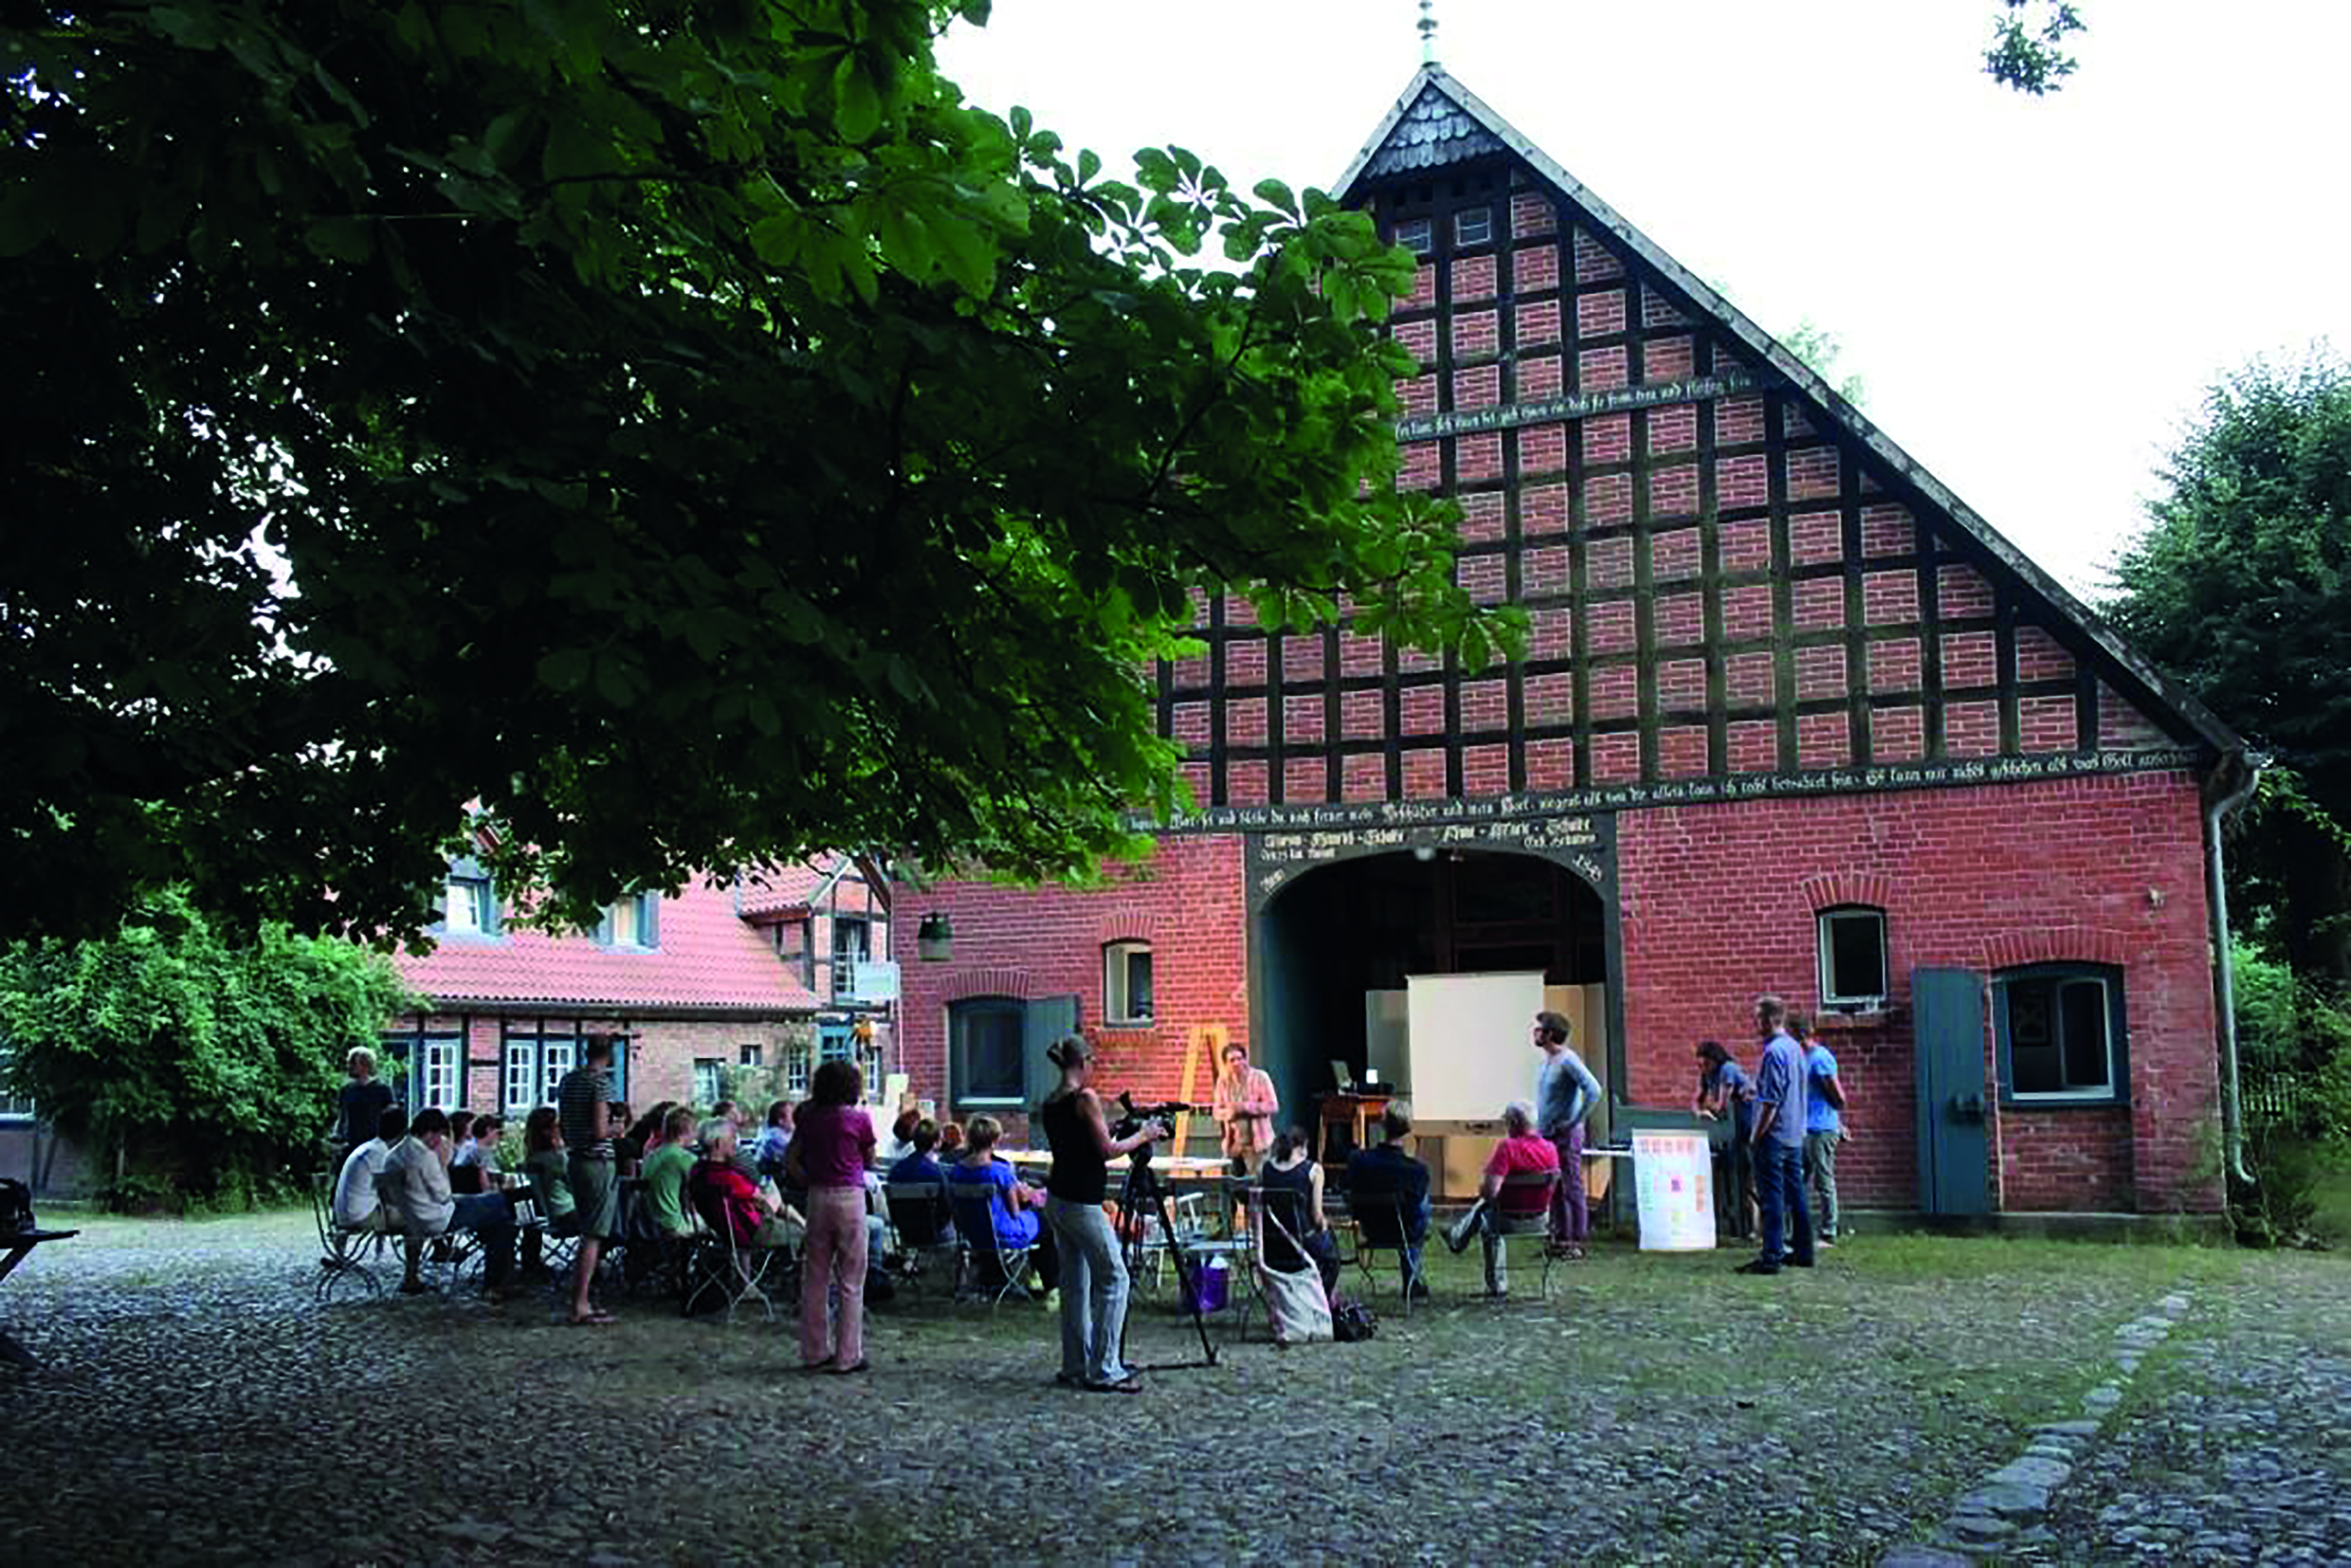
2276,1207
191,1067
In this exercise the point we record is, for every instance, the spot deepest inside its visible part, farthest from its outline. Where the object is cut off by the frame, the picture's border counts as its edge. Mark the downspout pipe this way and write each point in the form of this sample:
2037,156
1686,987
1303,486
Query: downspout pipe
2224,960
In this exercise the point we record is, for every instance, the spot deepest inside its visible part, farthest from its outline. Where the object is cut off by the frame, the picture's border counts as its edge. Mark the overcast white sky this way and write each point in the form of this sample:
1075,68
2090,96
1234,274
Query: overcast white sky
2037,292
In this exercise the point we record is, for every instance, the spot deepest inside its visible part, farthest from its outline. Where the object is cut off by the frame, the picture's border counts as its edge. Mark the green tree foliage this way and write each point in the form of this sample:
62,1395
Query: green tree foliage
1821,349
685,429
210,1067
2027,45
2242,587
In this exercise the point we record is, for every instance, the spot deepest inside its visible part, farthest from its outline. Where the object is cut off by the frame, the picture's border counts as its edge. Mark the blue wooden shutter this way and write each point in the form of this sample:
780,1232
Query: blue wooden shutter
649,920
1044,1020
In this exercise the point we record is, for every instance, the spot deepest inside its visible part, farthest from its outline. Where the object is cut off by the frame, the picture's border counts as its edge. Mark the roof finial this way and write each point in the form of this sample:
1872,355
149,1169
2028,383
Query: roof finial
1428,32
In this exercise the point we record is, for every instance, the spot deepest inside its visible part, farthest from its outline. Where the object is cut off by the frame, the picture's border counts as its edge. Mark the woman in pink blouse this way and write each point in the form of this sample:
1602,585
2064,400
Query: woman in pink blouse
1245,1109
831,1142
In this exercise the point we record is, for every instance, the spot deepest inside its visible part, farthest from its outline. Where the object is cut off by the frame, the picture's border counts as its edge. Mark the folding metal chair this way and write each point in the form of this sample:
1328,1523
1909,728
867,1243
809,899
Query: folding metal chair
738,1272
343,1253
1534,1228
919,1214
1380,1227
992,1268
446,1258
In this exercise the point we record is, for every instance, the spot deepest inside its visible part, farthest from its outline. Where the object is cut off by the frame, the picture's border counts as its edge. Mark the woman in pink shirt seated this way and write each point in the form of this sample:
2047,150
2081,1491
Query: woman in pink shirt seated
833,1140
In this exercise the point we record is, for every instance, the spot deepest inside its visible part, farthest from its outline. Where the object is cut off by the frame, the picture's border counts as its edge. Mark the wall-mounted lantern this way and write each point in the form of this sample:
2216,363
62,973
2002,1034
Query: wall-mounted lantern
934,939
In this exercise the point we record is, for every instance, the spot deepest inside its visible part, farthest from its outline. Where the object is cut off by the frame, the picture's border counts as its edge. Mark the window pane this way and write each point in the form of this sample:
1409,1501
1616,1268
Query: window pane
1475,226
747,1055
464,908
992,1063
1139,983
709,1086
1412,234
522,1084
2081,1028
625,923
2032,1062
1856,956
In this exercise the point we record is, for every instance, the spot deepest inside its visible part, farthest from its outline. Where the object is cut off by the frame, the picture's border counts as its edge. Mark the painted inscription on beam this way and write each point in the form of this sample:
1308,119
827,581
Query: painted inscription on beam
1545,410
1584,843
1683,792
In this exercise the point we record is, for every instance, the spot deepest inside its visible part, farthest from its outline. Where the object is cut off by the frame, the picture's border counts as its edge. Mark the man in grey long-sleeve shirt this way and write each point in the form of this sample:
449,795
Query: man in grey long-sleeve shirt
1566,1094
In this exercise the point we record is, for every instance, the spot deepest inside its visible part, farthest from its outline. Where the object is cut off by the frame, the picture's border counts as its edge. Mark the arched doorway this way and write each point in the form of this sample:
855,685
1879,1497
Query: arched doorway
1333,934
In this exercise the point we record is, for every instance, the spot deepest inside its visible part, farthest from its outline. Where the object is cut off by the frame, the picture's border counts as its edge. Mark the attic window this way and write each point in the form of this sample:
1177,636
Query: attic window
1473,226
1415,235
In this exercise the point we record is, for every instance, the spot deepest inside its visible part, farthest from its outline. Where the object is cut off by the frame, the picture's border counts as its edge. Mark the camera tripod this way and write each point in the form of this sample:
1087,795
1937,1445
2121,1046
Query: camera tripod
1140,1198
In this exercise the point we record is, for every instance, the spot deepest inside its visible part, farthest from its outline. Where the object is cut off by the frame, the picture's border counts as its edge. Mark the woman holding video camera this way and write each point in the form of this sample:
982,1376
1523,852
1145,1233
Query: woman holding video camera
1093,1275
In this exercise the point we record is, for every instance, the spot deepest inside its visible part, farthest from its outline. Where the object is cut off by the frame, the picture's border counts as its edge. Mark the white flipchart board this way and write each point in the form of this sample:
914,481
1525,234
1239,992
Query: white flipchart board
1470,1040
1672,1179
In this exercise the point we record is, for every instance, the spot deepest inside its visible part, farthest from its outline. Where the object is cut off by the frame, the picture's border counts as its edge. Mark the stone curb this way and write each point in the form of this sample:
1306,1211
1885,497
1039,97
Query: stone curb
2005,1508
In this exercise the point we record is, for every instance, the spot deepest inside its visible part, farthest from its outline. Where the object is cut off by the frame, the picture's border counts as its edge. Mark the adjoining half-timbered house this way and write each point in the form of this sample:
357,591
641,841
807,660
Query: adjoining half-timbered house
1792,719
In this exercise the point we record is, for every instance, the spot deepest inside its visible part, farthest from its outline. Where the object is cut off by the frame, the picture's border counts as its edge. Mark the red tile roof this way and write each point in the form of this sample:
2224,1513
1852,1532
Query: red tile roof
780,889
709,957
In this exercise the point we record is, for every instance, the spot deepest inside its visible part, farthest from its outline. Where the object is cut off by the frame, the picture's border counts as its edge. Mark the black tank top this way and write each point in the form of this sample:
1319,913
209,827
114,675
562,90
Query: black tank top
1080,1173
1289,1197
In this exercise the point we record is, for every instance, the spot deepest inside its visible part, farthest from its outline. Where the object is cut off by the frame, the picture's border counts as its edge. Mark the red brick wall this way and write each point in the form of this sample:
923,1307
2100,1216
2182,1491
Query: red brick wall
1186,900
2098,868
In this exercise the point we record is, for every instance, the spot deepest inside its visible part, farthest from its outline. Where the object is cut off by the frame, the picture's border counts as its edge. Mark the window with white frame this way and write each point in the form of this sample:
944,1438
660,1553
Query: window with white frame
798,1063
1852,958
537,1057
852,943
1417,235
437,1073
432,1065
2061,1035
1126,982
709,1080
632,922
469,908
750,1055
1473,226
521,1077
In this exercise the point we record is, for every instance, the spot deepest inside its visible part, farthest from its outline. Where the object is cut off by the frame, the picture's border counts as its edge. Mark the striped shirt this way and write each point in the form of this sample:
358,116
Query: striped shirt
583,1089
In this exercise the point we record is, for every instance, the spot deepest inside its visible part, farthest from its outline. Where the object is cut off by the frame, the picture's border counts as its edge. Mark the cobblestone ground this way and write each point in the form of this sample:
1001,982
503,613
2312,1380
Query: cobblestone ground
196,1405
2236,1444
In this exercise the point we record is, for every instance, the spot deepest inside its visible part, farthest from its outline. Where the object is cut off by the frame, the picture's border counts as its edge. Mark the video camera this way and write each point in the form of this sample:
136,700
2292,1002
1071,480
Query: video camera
1132,1117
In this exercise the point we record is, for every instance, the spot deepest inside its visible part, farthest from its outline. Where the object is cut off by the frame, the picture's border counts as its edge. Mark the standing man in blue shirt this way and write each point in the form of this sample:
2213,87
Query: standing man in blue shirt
1824,1126
1779,1111
1566,1094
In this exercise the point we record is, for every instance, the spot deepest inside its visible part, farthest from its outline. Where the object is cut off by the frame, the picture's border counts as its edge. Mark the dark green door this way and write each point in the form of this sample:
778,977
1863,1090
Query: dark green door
1046,1020
1954,1154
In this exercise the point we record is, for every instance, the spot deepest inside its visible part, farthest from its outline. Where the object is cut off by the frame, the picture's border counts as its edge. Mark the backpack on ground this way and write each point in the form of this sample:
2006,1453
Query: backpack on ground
1351,1320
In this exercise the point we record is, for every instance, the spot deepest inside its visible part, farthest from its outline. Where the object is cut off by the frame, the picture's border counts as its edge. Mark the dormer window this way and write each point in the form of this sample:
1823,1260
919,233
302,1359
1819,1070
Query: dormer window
632,922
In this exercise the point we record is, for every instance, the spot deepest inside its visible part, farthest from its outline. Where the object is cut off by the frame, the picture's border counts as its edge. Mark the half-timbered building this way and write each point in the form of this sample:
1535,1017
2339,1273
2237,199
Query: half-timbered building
1792,718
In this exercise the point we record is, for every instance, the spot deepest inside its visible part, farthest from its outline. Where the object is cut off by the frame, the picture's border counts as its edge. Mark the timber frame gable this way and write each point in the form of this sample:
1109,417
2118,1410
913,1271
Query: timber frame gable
1738,584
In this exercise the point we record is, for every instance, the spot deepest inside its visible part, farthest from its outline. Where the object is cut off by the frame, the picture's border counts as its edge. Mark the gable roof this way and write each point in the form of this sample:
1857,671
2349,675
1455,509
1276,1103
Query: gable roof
709,959
1437,122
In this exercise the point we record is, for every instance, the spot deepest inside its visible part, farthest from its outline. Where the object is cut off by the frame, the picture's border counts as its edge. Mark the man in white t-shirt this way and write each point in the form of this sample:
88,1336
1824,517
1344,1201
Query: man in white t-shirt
355,1204
415,1183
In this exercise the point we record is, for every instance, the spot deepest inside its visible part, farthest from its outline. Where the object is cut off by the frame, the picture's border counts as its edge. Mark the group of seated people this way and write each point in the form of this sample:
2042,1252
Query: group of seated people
969,1172
426,1176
